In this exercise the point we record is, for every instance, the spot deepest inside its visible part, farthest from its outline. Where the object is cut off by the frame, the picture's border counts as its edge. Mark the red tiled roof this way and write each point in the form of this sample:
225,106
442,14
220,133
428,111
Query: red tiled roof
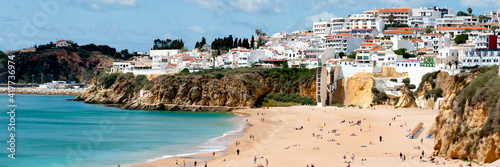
410,60
330,38
181,55
473,28
234,49
343,34
376,48
272,50
394,10
398,32
190,60
433,34
426,49
374,39
368,44
314,59
246,50
409,29
329,35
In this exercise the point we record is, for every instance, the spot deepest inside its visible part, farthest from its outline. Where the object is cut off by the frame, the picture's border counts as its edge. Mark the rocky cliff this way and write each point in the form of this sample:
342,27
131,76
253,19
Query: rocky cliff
69,64
468,123
356,90
230,90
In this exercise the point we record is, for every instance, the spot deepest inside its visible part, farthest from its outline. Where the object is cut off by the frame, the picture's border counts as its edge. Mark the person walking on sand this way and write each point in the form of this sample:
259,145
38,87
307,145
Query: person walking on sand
401,156
195,163
206,164
184,163
422,153
213,154
344,158
380,138
352,157
254,159
421,140
267,162
238,151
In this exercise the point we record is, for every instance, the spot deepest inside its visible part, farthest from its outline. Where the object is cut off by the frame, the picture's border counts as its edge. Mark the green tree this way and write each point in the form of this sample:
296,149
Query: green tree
462,13
493,29
450,64
456,62
391,18
428,30
469,10
462,38
285,64
2,55
197,45
406,81
367,37
252,45
352,55
341,54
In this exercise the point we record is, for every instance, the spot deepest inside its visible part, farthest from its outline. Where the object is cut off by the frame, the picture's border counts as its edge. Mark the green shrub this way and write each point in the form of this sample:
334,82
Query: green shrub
406,81
393,80
184,71
289,97
378,96
411,86
219,76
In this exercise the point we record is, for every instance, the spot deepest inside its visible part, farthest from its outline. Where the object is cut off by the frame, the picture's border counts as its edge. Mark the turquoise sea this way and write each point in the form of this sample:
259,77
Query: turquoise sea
54,132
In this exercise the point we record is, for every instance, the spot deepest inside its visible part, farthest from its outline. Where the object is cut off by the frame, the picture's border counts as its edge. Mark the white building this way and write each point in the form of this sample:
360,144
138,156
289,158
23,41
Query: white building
367,54
161,58
445,56
64,43
343,43
400,15
365,21
321,28
424,17
451,20
477,58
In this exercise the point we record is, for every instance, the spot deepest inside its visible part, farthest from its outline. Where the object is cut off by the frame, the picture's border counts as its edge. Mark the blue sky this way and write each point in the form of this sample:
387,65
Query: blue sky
134,24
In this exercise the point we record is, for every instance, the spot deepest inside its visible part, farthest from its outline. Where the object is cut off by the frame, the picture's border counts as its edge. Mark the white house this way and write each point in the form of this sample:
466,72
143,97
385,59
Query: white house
161,58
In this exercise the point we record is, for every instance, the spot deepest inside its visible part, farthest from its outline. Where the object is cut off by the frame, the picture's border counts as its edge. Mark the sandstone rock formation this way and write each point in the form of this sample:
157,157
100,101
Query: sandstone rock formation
458,132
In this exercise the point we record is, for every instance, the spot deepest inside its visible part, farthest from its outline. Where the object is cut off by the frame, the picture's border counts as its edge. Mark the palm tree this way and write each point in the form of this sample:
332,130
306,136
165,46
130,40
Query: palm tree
391,18
450,64
470,11
456,62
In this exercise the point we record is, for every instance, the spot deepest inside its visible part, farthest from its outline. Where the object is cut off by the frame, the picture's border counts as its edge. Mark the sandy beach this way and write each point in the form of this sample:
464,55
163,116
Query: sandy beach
279,139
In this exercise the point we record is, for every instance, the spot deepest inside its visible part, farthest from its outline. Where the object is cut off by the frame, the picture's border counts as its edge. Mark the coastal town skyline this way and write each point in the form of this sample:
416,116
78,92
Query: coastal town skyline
133,25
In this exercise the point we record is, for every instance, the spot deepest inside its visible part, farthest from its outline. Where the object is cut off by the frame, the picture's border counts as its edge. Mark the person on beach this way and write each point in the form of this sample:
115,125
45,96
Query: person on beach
254,159
401,155
184,163
195,163
118,165
176,162
422,140
344,158
267,162
352,157
422,153
213,154
238,151
206,164
380,138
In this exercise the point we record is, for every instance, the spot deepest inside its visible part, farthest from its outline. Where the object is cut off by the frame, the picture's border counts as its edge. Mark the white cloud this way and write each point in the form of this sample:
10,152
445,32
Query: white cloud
366,4
325,16
248,6
97,4
483,3
197,29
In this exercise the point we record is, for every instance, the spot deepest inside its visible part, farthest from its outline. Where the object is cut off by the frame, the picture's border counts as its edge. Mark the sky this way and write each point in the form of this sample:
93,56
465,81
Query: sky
134,24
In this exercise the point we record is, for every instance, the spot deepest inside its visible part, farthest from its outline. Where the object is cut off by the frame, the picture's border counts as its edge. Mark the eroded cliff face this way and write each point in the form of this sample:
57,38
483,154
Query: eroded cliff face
356,90
406,99
235,90
458,134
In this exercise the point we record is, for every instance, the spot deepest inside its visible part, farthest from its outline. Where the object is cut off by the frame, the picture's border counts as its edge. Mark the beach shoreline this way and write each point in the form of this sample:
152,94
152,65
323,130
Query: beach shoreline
284,138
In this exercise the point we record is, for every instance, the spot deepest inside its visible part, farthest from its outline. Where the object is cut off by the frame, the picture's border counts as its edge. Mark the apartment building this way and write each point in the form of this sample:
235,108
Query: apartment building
343,43
400,15
451,20
367,54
